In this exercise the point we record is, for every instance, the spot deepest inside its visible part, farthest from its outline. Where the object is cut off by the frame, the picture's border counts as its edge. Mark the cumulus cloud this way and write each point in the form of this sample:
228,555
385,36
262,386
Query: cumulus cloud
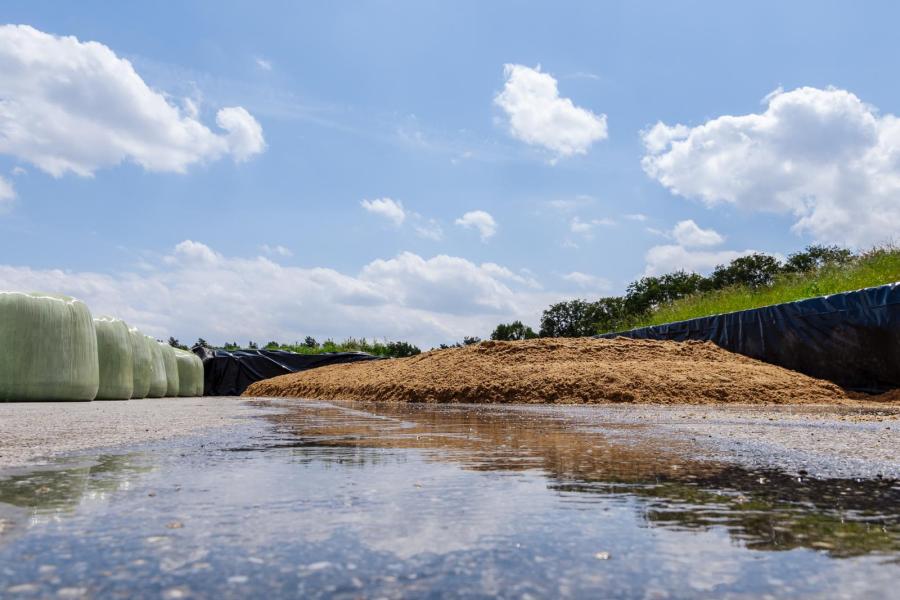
690,252
75,107
7,193
195,291
539,116
392,210
480,220
672,257
821,155
689,234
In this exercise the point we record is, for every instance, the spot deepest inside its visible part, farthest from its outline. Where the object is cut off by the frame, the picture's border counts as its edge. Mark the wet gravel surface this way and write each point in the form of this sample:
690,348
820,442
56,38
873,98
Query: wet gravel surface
317,499
31,431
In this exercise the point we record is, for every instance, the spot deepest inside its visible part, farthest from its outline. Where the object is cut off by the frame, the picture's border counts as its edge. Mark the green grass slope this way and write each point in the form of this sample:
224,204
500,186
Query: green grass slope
876,267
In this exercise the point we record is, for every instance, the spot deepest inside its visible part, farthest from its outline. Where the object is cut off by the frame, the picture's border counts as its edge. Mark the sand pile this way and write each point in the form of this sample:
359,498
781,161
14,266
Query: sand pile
561,370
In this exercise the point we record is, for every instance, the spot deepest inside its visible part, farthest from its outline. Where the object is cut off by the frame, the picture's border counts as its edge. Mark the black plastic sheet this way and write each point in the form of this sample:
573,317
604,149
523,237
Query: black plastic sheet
229,373
852,338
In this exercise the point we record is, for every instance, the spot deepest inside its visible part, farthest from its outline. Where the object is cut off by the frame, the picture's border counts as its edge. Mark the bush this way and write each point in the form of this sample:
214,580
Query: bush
516,330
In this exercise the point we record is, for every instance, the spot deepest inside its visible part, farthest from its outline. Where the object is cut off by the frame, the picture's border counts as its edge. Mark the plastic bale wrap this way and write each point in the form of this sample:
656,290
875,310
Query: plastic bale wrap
198,366
48,348
172,386
159,383
116,359
187,373
142,365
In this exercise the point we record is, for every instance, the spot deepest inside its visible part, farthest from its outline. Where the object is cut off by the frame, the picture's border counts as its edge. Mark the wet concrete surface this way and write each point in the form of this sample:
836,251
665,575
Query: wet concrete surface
317,499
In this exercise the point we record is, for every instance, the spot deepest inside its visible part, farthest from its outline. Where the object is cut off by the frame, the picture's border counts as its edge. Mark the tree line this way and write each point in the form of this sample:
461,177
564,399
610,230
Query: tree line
576,318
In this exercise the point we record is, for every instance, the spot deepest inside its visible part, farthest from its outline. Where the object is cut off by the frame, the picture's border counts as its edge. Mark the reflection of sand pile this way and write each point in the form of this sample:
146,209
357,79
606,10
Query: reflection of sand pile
561,371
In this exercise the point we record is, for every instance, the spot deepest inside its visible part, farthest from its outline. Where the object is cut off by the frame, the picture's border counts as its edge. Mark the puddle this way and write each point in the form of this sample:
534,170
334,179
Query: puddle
408,501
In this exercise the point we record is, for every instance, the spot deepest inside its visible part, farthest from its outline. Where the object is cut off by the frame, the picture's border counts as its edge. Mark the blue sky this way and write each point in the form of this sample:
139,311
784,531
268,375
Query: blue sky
399,100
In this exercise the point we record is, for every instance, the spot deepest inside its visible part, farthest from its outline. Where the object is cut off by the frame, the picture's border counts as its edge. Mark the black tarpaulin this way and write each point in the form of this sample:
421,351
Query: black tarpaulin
229,373
852,338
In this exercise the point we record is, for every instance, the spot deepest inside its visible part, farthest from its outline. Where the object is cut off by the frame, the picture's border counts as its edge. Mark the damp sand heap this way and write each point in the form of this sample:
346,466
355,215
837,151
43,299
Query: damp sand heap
563,371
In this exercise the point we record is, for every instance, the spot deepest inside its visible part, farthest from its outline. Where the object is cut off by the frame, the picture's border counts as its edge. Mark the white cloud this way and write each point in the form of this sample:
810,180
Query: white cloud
586,228
689,234
193,252
71,106
392,210
636,217
264,64
539,116
672,257
823,156
428,228
7,193
245,136
195,291
396,213
480,220
588,282
276,250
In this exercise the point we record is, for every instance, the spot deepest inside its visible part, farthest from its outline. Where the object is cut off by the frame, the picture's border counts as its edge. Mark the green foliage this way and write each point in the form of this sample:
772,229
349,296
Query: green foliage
872,268
385,348
746,282
513,331
815,257
753,271
176,344
567,319
577,318
649,292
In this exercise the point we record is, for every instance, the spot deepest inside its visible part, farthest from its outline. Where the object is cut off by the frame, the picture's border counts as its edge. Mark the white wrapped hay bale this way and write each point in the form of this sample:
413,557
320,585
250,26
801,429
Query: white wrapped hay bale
142,365
187,372
48,348
116,359
172,386
198,364
159,383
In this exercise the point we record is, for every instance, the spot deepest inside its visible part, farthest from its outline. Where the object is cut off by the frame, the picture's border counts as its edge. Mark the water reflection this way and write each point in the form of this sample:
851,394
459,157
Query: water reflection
763,509
53,489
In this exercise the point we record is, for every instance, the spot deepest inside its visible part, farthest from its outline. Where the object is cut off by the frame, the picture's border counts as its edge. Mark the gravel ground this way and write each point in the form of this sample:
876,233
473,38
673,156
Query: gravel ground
33,431
823,441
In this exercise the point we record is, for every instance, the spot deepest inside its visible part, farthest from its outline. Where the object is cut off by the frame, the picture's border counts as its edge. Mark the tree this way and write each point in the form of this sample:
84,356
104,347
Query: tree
272,346
567,319
513,331
252,345
647,293
176,344
609,314
202,343
471,339
815,257
402,349
754,270
310,342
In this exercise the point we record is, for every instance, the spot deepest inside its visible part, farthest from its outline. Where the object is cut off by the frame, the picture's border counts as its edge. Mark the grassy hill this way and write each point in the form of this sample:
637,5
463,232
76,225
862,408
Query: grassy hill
872,268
